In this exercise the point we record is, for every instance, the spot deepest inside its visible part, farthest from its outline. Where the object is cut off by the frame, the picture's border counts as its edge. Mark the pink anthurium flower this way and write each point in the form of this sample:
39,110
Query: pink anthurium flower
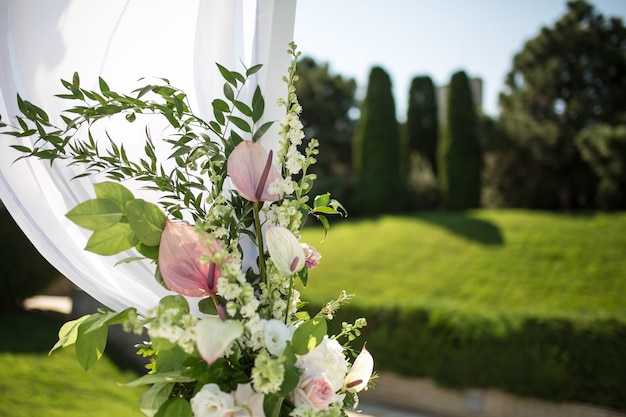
285,250
251,171
180,254
361,372
214,337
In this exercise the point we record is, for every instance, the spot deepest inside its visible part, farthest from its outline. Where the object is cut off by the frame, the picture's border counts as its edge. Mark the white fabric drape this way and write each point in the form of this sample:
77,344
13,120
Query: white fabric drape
122,41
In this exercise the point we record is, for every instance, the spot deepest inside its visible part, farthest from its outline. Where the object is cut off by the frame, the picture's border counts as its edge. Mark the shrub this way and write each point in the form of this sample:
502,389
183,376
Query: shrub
553,358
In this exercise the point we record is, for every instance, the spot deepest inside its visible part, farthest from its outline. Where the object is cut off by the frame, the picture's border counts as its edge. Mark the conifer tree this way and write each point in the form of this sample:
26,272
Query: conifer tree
421,122
377,149
459,153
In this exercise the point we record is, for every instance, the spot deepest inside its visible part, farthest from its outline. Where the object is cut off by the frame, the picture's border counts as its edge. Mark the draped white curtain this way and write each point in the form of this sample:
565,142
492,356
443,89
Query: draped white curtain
42,41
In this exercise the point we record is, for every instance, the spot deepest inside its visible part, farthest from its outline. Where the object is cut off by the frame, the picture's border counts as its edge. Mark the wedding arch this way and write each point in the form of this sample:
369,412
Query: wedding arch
122,41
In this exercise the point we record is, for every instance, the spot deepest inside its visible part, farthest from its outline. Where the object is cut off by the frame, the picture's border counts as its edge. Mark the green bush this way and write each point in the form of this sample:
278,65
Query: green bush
25,272
553,358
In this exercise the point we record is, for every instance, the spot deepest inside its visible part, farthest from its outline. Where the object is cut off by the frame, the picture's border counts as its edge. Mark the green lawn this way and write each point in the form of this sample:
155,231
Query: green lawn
507,261
33,384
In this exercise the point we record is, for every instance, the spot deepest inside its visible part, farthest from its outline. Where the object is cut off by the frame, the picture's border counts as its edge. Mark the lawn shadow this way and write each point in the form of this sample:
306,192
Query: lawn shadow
466,226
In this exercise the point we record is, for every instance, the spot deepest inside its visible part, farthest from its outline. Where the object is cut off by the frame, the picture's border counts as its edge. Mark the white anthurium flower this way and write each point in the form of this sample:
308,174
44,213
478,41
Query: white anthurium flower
361,371
285,250
215,336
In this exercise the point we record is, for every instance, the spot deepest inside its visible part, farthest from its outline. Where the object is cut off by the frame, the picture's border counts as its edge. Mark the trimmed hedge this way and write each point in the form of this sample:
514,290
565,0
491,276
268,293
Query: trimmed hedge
552,358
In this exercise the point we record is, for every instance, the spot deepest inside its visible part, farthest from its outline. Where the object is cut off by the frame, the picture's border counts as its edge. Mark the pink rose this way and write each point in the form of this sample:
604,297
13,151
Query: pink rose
315,390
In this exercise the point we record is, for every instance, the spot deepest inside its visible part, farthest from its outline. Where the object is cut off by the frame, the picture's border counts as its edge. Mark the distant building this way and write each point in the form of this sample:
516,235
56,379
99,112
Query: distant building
476,84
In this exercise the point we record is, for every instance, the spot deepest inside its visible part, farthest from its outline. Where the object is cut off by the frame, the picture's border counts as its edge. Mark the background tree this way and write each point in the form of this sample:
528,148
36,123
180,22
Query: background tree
569,77
603,147
326,100
459,151
377,150
422,125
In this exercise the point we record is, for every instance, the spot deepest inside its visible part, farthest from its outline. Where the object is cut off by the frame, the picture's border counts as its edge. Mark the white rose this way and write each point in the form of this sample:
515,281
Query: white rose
328,359
276,336
210,401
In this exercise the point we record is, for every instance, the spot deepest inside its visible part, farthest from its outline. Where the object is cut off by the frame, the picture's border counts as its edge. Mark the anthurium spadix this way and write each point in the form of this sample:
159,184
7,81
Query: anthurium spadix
285,250
214,336
180,261
250,169
361,372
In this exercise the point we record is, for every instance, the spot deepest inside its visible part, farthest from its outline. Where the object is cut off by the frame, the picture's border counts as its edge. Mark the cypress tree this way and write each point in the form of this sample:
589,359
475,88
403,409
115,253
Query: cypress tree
459,153
422,124
377,150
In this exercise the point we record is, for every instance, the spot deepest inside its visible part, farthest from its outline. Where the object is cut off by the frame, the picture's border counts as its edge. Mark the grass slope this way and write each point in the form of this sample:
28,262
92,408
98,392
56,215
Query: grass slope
493,262
34,384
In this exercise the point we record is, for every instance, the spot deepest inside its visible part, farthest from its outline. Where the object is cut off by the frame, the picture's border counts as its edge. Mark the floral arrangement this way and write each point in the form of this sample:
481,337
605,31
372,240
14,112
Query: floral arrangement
225,233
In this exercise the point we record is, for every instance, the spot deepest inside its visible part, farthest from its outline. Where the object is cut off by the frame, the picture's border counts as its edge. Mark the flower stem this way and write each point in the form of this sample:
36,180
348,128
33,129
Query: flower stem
259,238
291,284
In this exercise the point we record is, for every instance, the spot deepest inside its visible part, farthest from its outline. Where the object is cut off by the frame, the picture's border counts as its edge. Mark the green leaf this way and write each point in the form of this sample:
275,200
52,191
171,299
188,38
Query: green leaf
111,241
151,400
176,302
108,318
321,200
227,75
170,359
150,252
258,105
95,214
113,191
325,223
243,108
308,335
146,220
90,345
221,105
253,69
228,92
207,305
291,379
304,276
261,131
159,377
175,407
68,333
325,210
240,123
104,87
272,404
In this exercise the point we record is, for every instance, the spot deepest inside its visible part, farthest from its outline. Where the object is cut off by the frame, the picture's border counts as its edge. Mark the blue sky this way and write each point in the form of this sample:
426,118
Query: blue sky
427,37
